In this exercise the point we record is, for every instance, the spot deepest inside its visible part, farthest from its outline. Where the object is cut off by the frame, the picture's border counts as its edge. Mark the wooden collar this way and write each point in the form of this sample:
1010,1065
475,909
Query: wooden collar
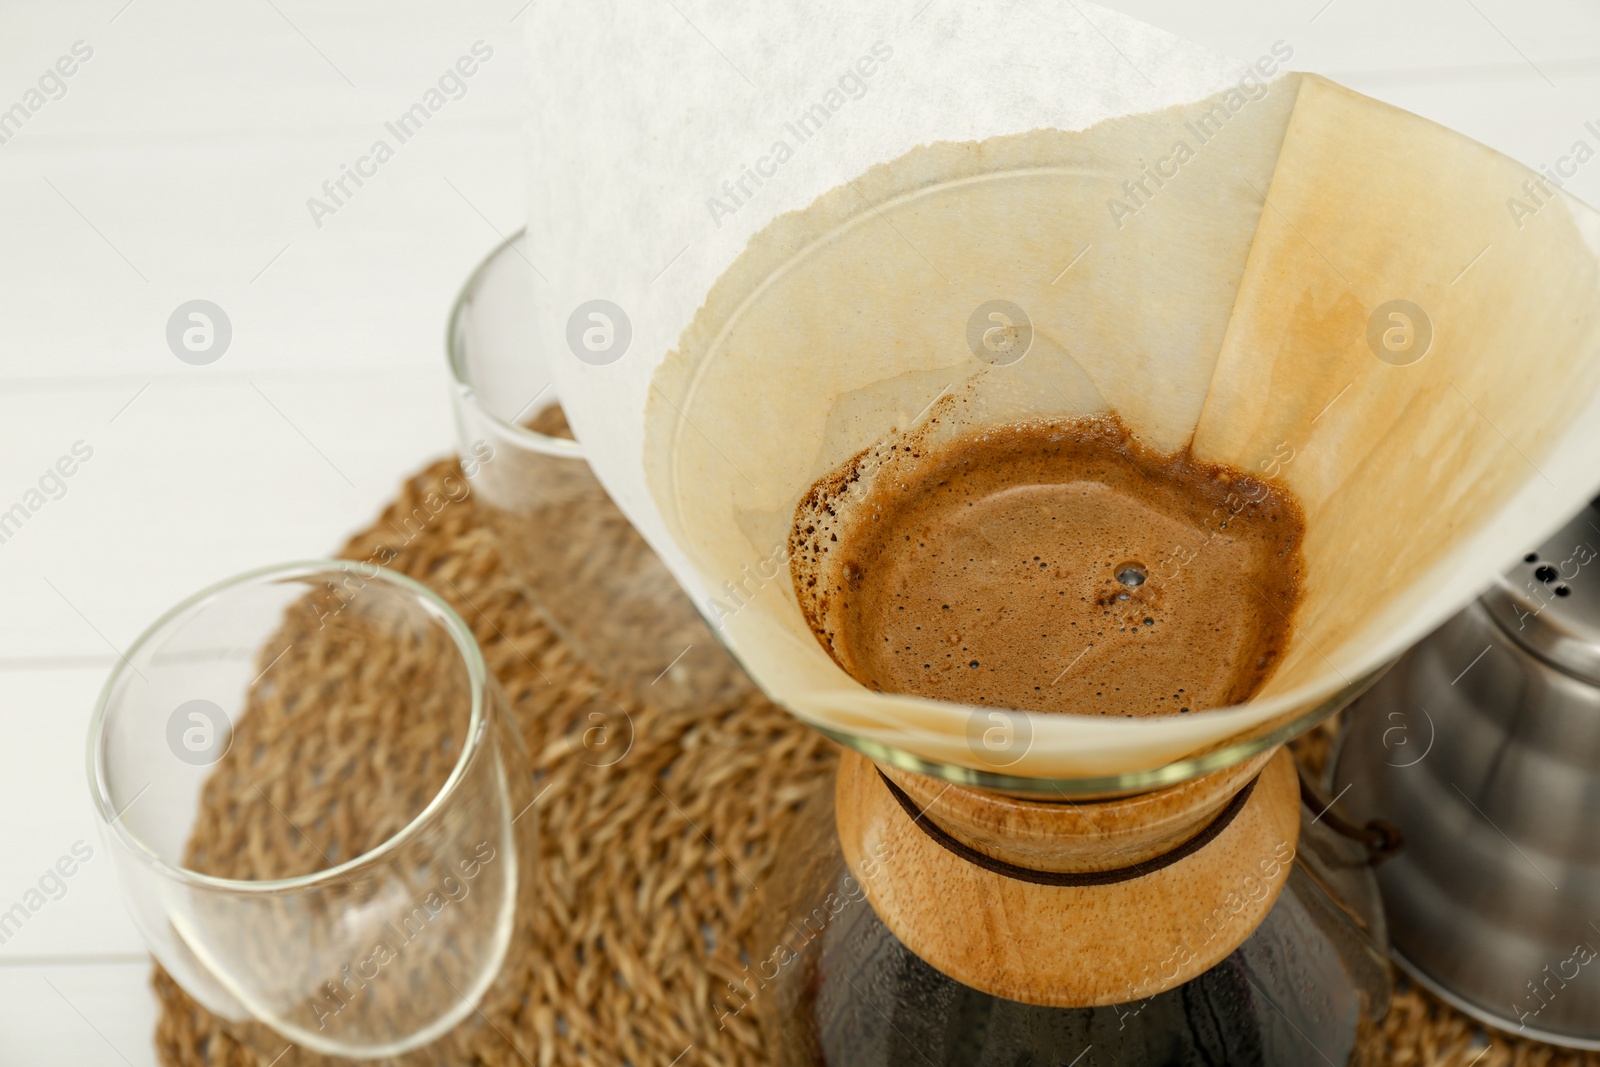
1087,929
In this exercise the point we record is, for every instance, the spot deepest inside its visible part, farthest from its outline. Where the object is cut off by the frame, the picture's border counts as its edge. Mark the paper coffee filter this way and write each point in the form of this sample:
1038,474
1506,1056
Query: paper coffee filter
1233,295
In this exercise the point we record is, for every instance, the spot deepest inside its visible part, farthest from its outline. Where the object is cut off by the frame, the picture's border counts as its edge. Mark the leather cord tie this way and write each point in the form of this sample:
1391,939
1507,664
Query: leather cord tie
1069,879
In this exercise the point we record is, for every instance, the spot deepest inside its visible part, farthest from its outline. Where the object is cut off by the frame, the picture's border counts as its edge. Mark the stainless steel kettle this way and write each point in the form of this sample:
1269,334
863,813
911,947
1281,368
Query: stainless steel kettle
1483,746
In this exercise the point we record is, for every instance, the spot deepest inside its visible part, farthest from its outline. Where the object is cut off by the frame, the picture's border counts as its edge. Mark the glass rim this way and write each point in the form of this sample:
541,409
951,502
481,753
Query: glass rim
466,644
1127,783
456,358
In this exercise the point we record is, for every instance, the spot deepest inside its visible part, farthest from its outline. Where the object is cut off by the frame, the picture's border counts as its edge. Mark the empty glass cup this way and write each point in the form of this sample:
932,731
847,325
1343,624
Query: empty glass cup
592,577
318,809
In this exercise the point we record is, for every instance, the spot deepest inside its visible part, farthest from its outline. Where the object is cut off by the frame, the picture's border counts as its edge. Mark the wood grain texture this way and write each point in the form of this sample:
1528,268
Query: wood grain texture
1068,946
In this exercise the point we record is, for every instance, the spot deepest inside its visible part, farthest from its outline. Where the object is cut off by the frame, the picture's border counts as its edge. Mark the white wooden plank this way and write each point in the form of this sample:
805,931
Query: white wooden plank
188,66
226,220
180,162
194,481
72,910
87,1015
1423,36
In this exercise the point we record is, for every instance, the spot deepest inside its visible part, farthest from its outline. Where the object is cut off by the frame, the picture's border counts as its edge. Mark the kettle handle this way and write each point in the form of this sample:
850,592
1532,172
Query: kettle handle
1382,838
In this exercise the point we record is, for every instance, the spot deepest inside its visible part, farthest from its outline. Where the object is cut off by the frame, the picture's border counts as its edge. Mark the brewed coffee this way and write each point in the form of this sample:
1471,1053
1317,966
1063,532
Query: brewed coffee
1052,566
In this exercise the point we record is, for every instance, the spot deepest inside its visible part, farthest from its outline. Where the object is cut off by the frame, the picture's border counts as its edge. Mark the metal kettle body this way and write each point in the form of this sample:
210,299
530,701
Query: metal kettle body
1483,746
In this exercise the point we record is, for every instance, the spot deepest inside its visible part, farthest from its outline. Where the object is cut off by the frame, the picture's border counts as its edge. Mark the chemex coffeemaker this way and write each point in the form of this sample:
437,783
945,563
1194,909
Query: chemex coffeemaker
852,242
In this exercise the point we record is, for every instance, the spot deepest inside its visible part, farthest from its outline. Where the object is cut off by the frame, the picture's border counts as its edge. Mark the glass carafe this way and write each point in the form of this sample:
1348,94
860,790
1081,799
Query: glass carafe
1291,918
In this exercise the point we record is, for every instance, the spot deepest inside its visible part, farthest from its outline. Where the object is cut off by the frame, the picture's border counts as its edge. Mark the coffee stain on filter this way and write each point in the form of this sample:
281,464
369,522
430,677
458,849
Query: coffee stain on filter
1228,316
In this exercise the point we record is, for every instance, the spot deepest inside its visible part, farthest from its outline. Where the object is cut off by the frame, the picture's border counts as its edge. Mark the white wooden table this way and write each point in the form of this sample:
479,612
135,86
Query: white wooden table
177,165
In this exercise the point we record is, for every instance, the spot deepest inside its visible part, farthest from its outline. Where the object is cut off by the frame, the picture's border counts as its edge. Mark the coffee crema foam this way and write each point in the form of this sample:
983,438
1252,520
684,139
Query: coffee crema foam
1055,566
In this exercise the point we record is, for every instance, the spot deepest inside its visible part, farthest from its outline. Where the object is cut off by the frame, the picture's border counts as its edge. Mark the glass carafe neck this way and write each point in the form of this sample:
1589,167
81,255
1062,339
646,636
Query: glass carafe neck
1071,903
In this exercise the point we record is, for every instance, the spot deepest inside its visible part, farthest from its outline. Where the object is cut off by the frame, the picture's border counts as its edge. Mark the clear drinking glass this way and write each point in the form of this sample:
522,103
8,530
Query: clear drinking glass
592,577
317,808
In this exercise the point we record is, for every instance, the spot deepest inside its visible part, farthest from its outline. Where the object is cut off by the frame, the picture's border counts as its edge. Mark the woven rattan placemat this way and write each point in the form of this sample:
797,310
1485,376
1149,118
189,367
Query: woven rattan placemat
645,870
